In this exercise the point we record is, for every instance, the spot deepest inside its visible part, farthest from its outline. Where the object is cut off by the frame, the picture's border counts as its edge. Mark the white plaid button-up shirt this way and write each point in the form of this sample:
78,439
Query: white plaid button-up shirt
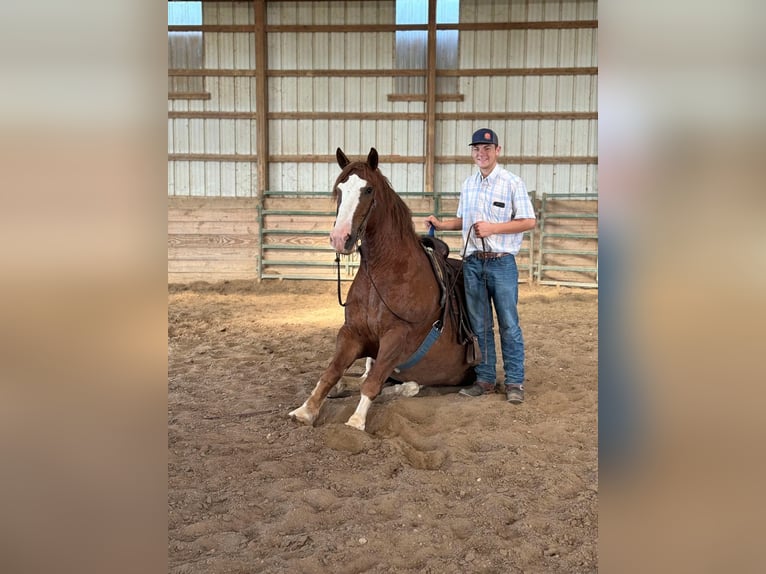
498,198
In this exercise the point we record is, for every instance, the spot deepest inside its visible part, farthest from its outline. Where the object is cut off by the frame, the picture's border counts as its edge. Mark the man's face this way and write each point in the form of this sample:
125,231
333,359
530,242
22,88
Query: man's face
485,155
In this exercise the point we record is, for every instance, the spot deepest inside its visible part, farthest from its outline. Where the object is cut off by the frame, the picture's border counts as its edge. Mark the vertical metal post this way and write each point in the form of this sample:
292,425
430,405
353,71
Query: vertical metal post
540,252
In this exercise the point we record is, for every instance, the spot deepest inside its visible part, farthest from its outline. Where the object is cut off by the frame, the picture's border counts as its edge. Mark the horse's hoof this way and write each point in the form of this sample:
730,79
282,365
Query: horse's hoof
410,389
355,422
302,415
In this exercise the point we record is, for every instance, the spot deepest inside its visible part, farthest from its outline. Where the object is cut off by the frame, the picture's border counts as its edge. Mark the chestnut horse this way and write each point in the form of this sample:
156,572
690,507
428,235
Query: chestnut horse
393,304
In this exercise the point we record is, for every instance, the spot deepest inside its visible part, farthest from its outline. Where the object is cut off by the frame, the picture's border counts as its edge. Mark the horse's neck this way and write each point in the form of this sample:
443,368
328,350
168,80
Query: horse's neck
385,245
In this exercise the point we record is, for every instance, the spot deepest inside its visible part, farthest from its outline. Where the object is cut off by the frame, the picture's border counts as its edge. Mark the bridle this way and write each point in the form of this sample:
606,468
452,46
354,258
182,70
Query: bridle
360,236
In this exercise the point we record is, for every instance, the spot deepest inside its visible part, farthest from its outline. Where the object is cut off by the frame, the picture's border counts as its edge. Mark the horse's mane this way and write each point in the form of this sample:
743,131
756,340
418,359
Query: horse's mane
387,200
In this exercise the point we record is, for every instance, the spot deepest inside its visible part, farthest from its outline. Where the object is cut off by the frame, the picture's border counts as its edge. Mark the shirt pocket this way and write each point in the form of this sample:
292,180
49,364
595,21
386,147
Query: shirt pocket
500,209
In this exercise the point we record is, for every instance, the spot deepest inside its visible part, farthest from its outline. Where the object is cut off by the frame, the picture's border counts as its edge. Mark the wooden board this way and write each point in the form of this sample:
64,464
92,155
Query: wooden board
215,239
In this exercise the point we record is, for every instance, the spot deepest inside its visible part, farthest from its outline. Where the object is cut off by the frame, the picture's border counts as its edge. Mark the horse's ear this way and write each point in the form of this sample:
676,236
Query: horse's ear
372,158
343,161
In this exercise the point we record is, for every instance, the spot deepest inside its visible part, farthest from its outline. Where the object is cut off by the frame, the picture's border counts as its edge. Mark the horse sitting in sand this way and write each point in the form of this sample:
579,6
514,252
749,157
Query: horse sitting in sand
397,309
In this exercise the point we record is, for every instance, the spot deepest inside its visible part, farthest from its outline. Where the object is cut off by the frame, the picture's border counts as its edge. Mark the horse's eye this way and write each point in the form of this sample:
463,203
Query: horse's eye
368,190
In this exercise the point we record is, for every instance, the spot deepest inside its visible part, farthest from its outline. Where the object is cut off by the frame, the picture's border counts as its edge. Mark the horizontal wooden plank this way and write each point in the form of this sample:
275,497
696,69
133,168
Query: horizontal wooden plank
187,277
309,257
379,116
243,266
505,72
344,28
564,244
212,241
422,97
552,277
570,226
188,96
302,271
460,73
420,204
179,202
527,25
322,203
526,160
553,205
212,214
390,159
217,254
297,240
303,223
567,260
212,227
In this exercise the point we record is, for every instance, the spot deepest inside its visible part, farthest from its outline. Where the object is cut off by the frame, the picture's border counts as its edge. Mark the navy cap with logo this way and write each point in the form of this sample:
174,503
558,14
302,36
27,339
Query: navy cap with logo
484,136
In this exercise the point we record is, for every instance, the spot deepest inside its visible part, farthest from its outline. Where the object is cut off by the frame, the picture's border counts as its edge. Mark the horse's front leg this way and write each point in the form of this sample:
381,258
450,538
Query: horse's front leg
388,355
347,349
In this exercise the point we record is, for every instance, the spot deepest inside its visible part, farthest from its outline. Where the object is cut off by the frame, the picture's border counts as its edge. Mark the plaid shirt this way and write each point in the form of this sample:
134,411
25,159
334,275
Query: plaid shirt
498,198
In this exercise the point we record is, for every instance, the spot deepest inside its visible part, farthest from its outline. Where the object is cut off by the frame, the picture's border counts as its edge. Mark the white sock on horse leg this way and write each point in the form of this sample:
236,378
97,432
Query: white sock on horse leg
368,366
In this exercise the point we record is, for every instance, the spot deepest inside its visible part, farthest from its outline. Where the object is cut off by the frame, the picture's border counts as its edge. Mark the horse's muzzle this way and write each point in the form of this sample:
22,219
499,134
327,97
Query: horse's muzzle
342,241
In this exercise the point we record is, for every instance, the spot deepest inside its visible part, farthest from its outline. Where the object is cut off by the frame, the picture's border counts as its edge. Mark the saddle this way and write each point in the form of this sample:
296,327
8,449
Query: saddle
449,275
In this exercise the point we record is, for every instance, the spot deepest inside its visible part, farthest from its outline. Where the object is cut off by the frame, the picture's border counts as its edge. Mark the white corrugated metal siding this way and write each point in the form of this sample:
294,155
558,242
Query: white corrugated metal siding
375,50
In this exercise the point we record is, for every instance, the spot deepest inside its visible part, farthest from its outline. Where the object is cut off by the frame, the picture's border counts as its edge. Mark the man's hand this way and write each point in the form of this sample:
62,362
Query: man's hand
483,229
432,221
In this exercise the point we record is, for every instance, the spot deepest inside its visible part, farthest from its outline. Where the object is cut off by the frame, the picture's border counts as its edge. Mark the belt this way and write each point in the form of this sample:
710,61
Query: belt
484,255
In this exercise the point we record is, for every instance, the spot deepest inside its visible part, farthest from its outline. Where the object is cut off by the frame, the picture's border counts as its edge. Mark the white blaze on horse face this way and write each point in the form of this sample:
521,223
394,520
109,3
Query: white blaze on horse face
350,191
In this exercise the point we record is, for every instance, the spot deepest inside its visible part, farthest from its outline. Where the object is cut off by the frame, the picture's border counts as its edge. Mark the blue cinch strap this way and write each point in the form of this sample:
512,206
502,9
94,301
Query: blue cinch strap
433,335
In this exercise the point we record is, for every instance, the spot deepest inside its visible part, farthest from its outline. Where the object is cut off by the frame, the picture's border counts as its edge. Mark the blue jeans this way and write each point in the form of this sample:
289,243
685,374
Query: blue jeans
495,281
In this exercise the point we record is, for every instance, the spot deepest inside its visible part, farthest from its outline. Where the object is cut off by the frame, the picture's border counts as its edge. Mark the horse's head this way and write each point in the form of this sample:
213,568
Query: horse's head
354,192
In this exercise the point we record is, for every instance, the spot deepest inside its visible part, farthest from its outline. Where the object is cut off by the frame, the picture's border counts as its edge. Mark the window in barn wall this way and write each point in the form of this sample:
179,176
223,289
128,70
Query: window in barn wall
412,45
185,50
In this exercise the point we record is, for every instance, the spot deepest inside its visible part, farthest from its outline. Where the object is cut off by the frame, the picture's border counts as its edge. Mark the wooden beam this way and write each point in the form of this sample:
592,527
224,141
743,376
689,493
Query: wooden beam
578,71
526,160
324,73
376,116
211,72
504,159
261,97
188,96
431,99
549,25
335,28
361,116
422,97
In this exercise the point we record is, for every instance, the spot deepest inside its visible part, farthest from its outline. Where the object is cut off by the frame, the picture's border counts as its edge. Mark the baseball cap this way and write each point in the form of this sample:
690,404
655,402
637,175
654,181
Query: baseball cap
484,136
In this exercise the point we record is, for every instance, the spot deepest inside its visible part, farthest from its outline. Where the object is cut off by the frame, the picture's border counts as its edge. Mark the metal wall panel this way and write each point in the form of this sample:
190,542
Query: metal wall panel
353,50
222,50
546,48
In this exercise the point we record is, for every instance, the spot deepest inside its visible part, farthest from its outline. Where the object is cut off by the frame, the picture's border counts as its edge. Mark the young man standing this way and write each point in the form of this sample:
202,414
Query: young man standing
494,211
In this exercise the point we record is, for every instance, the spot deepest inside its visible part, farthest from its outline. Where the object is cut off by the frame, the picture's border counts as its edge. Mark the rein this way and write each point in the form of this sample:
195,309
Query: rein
394,313
369,276
337,265
488,309
359,234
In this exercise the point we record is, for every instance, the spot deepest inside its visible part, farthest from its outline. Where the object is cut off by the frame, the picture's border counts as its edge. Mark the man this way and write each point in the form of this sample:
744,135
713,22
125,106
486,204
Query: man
494,211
